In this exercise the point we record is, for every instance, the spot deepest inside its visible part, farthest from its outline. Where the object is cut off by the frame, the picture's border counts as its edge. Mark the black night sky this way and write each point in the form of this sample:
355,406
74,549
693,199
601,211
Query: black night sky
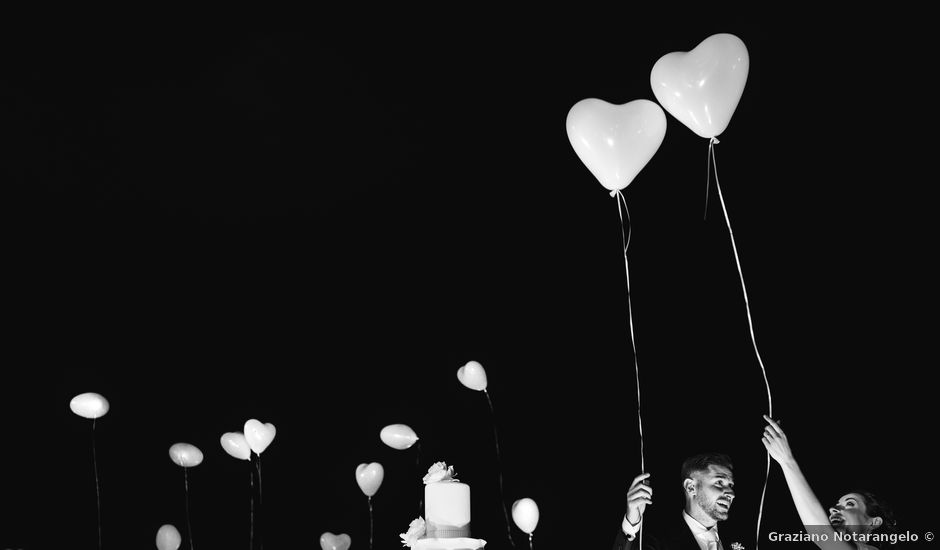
317,229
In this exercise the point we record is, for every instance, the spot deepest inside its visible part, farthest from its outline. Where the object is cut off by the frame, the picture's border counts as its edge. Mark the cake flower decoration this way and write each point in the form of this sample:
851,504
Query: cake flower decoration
737,546
415,531
439,471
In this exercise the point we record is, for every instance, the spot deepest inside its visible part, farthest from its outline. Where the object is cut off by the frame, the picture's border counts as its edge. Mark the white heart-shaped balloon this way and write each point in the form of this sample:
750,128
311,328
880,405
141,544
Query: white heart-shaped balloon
236,445
398,436
185,455
89,405
329,541
525,514
168,538
369,477
472,375
259,435
701,88
615,142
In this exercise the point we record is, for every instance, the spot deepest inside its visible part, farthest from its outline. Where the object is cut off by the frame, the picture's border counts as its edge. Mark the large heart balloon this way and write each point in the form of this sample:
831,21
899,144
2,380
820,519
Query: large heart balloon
236,445
185,455
329,541
472,375
168,538
701,88
615,141
525,514
369,477
89,405
398,436
259,435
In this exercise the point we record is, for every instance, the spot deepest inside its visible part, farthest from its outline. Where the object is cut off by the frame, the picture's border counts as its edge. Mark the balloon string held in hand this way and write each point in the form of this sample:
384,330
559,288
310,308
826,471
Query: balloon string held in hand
625,239
750,324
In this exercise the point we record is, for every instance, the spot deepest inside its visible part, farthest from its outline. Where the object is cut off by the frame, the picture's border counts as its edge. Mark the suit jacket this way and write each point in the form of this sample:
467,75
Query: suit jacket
679,537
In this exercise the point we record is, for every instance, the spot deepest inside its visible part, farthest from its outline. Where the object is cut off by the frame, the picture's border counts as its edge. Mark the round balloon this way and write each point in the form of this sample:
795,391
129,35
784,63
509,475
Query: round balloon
259,435
89,405
701,88
369,477
615,142
235,444
398,436
525,514
472,375
185,455
168,538
329,541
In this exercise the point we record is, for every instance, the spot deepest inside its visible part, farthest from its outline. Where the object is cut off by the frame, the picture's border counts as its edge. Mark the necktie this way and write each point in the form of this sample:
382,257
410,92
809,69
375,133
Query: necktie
711,536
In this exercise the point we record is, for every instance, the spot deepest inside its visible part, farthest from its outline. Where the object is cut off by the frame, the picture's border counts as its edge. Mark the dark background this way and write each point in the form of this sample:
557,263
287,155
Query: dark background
318,228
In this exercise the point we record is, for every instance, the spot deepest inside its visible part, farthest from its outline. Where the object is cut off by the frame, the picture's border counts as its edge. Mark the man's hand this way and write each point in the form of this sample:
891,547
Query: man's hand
775,441
638,497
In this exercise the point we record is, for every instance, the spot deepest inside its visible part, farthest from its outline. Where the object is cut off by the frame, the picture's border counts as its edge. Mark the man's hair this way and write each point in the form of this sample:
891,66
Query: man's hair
700,463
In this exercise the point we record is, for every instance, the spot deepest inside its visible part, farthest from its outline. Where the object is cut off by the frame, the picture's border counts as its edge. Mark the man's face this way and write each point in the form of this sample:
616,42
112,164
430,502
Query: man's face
714,491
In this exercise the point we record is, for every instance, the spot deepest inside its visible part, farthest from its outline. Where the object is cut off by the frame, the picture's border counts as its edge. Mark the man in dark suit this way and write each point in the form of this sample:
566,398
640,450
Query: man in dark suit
708,487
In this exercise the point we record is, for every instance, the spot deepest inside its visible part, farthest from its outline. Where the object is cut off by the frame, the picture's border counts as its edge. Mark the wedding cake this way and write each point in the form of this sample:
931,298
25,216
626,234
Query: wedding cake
446,522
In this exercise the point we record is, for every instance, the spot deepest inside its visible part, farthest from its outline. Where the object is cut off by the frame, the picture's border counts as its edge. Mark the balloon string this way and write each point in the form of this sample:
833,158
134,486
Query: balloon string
94,460
420,487
260,499
499,469
708,173
370,523
251,507
750,324
625,239
530,541
189,527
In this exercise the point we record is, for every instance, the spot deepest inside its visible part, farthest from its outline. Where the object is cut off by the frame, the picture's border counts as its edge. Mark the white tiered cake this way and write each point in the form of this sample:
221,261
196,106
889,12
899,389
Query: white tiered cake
446,524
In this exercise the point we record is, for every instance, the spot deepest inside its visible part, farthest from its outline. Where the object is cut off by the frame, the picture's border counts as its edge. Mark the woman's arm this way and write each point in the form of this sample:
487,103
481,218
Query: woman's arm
809,508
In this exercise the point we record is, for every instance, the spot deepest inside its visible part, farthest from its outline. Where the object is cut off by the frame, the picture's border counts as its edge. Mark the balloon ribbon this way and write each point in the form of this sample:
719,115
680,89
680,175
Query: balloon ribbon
750,322
625,239
94,459
189,527
499,467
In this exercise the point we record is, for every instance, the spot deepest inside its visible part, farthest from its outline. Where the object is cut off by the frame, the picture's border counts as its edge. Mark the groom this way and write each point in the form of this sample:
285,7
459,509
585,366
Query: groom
708,487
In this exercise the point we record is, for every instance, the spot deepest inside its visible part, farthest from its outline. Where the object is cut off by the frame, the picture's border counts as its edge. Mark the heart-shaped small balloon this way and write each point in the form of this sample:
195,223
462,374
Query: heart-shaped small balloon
329,541
525,514
185,455
89,405
369,477
236,445
701,88
615,142
168,538
259,435
472,375
398,436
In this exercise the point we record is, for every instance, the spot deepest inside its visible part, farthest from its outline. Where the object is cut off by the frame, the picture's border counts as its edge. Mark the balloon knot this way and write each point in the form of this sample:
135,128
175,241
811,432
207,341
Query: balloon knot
613,193
715,141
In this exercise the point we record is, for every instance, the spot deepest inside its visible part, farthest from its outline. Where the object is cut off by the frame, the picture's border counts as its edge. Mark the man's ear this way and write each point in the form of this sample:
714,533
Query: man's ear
689,486
876,521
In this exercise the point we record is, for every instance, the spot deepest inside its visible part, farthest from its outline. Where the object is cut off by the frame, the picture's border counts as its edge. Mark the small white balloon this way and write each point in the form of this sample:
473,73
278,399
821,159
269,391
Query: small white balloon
398,436
259,435
185,455
168,538
89,405
472,375
369,477
525,514
236,445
